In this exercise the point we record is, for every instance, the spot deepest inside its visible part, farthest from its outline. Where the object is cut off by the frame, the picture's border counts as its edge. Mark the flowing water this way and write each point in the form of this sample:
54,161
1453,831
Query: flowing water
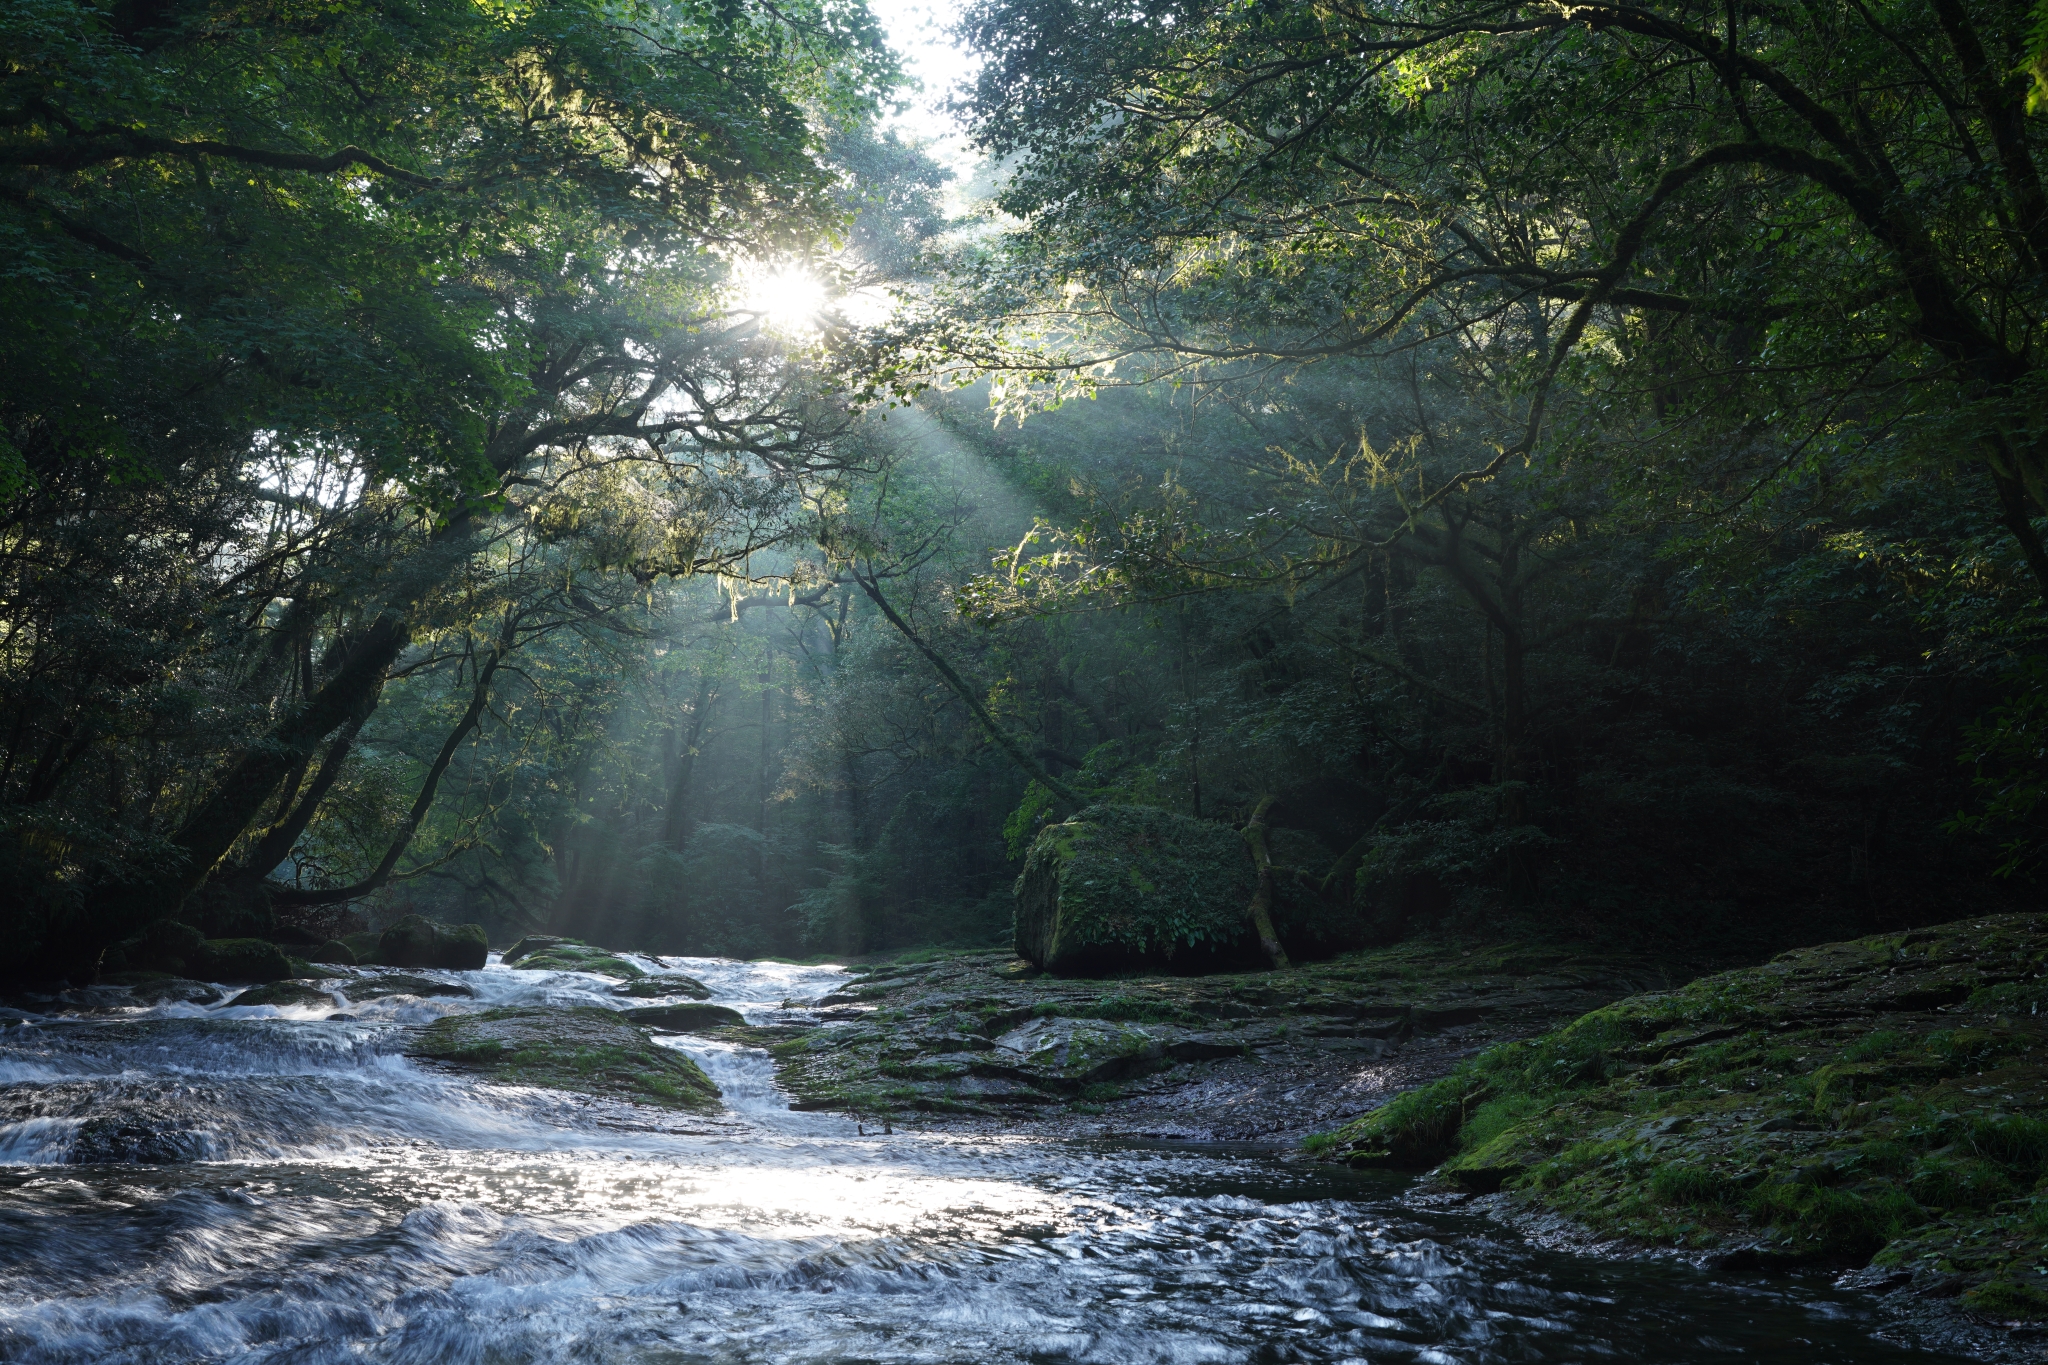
223,1184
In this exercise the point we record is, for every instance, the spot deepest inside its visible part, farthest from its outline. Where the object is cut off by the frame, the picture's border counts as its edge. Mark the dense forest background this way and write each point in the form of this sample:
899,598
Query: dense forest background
1584,468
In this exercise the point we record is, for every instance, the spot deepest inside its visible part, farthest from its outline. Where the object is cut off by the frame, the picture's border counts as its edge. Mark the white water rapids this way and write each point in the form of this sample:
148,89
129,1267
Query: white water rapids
188,1184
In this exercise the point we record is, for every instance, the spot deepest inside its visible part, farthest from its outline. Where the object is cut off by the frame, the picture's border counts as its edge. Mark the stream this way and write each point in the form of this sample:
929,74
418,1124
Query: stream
188,1183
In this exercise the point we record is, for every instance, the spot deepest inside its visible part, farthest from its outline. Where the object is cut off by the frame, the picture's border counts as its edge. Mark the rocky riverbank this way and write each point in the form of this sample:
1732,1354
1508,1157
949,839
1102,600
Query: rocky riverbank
1879,1105
980,1041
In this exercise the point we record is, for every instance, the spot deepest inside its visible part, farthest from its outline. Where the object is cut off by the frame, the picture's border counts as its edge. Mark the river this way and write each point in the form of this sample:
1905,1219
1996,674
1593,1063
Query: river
189,1183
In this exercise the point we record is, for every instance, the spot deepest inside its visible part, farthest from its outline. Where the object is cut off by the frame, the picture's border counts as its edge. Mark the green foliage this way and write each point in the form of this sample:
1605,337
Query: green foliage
2008,749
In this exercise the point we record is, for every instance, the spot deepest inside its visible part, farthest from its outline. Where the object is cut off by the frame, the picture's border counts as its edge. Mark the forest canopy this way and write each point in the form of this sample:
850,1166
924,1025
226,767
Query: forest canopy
1573,468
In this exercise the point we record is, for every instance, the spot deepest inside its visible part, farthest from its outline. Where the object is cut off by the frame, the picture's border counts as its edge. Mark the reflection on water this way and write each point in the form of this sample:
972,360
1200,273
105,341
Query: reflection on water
259,1185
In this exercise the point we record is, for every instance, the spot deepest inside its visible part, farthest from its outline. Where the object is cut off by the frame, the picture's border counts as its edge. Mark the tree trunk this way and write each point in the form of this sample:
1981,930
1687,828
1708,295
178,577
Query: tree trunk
1262,898
675,811
2018,518
761,770
278,841
1011,750
237,798
479,697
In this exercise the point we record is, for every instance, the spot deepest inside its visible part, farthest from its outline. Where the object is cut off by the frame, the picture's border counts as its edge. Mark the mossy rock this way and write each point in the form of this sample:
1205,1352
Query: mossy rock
572,957
2008,1301
363,945
534,943
1885,1096
243,959
333,953
417,941
378,987
166,947
586,1051
686,1018
1080,1051
156,988
285,995
1118,887
667,983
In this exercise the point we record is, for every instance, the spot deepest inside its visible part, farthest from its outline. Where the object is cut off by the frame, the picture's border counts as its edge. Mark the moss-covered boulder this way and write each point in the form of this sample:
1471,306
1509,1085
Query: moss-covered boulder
587,1051
535,943
574,957
242,959
363,945
286,995
333,953
1117,887
686,1018
417,941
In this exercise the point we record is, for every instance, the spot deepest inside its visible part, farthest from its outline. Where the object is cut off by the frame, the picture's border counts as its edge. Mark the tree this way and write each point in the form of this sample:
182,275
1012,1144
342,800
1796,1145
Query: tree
316,303
1797,229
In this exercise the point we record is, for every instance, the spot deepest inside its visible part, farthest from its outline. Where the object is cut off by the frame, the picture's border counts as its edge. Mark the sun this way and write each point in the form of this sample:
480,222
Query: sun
785,297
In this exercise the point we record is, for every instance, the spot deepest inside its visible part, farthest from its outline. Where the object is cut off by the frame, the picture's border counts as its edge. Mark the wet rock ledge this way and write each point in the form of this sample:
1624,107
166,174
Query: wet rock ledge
1879,1105
982,1041
585,1050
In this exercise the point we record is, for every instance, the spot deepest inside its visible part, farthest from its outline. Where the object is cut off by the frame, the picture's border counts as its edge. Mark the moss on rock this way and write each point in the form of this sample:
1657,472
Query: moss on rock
379,987
534,943
686,1018
1123,886
667,983
587,1051
1886,1097
565,956
243,959
156,988
417,941
965,1033
286,995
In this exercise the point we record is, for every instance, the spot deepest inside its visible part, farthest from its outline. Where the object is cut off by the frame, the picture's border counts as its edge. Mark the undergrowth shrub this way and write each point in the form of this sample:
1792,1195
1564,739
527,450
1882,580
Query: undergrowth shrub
1679,1182
2012,1140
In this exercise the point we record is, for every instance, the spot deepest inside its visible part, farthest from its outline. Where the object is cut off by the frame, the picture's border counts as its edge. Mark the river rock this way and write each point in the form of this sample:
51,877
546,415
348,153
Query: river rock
243,959
575,957
379,987
363,945
333,953
286,995
158,988
685,1018
1117,887
165,947
103,1141
417,941
534,943
1081,1051
667,983
587,1051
